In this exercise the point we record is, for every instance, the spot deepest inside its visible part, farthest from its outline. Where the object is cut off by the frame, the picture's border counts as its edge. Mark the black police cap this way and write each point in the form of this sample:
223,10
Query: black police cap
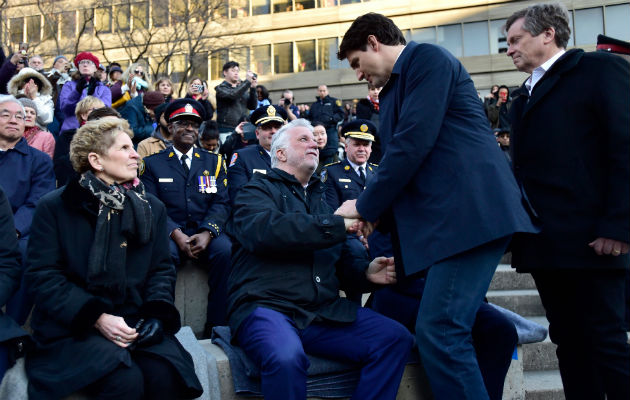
359,129
184,109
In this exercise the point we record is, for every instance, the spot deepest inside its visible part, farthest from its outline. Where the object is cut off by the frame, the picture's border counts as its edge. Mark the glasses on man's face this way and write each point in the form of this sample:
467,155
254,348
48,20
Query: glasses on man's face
86,62
186,124
6,116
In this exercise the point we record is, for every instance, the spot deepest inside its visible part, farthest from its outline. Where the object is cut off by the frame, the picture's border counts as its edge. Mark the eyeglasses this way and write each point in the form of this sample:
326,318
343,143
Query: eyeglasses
138,72
6,116
86,62
186,124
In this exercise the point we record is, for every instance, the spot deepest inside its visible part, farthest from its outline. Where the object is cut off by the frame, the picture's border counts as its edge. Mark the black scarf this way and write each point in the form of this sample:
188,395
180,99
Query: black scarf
123,214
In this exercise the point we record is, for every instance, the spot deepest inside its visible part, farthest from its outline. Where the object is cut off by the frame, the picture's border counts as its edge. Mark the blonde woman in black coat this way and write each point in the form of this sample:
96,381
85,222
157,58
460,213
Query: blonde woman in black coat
102,280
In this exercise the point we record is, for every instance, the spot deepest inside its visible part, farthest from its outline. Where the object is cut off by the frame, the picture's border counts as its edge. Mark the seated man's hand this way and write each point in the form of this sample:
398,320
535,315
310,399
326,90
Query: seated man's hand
352,225
382,270
348,209
198,242
182,240
604,246
366,228
115,329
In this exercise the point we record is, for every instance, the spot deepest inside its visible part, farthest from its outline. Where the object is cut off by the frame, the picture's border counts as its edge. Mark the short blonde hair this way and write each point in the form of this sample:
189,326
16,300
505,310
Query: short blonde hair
95,137
84,105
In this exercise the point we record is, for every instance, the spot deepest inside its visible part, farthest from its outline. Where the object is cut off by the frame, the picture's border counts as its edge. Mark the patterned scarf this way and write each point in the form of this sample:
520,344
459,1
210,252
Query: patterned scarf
123,214
374,103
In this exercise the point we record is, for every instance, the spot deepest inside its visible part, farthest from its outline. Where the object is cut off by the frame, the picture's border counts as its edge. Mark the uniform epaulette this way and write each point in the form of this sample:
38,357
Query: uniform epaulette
374,165
332,163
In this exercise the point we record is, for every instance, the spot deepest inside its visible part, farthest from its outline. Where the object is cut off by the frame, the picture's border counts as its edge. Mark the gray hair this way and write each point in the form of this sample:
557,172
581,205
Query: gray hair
280,139
539,17
7,98
26,102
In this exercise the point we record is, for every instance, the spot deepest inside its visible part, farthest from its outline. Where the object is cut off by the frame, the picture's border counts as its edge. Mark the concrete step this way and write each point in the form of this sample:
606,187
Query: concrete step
540,356
543,385
524,302
506,278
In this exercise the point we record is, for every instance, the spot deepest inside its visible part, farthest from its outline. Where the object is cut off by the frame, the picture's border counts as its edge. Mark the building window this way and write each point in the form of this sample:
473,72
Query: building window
33,28
306,55
86,21
199,66
122,14
283,58
282,6
424,35
17,29
179,12
327,3
617,25
103,20
589,22
261,62
50,26
261,7
327,54
68,25
498,41
450,37
178,68
349,1
159,12
217,59
239,8
476,39
140,14
304,4
241,56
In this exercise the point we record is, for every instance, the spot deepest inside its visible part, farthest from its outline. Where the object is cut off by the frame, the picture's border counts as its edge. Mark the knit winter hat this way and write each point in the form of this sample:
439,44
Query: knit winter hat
86,55
152,99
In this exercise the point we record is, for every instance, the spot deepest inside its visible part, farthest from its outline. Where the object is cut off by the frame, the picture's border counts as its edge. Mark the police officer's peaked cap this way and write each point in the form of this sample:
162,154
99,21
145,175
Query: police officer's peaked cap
265,114
359,129
184,109
605,43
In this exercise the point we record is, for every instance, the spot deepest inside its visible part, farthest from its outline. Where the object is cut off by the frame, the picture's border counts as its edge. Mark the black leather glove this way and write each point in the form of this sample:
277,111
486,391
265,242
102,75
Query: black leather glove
81,84
150,333
92,86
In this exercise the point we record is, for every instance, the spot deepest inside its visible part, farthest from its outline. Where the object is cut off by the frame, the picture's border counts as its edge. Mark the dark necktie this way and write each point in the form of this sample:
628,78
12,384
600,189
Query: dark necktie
184,164
362,174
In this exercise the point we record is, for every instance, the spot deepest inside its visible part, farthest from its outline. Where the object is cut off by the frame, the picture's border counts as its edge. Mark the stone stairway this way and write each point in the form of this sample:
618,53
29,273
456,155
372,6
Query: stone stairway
517,292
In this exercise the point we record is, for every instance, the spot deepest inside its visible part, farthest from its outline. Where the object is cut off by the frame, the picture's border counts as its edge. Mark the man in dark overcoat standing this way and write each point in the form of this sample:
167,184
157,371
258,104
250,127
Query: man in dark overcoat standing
578,102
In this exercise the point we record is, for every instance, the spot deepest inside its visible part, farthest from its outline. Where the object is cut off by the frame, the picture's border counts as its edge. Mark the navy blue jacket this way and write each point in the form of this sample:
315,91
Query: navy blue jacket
343,183
327,111
442,175
244,164
26,174
188,208
140,122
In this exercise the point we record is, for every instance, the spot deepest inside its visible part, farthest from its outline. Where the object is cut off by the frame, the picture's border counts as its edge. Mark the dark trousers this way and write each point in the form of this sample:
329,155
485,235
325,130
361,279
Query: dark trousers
217,259
20,304
4,360
494,337
274,343
149,377
585,309
453,293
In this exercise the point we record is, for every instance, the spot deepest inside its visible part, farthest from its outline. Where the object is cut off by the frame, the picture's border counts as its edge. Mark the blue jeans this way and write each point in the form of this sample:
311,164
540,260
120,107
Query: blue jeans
453,293
279,348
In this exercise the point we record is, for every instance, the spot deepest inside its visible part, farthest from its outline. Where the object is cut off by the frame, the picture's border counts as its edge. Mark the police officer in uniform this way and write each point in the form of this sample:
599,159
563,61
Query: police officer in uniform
192,183
255,159
328,110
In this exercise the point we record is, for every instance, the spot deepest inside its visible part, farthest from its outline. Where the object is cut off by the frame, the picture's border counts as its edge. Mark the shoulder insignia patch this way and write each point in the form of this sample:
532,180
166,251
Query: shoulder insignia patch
233,160
171,154
323,176
197,155
141,167
338,103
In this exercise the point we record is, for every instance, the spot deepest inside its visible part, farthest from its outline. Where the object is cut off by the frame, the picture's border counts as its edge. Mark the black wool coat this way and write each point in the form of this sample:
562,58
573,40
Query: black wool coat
290,253
570,147
70,353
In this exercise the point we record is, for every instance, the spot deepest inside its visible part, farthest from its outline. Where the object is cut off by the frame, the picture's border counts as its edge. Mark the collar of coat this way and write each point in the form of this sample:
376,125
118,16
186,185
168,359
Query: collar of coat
277,174
77,197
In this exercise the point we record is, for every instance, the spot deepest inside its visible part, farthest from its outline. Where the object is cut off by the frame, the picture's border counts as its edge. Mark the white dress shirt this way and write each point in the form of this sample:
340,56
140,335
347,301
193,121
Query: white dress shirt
539,72
179,156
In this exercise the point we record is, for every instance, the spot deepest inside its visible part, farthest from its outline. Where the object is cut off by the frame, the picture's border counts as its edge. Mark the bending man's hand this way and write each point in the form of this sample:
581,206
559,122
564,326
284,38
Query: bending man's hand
115,329
604,246
382,270
348,209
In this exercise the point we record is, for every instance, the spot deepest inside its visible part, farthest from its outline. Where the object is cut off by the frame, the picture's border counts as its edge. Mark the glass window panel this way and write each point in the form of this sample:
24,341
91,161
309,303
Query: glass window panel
67,25
450,37
140,13
283,57
50,26
178,67
618,21
159,12
179,12
306,55
103,20
327,54
123,13
33,28
17,30
476,39
406,34
86,21
572,27
217,59
282,6
498,42
241,56
304,4
158,66
262,59
239,8
589,22
199,66
327,3
350,1
260,7
424,35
